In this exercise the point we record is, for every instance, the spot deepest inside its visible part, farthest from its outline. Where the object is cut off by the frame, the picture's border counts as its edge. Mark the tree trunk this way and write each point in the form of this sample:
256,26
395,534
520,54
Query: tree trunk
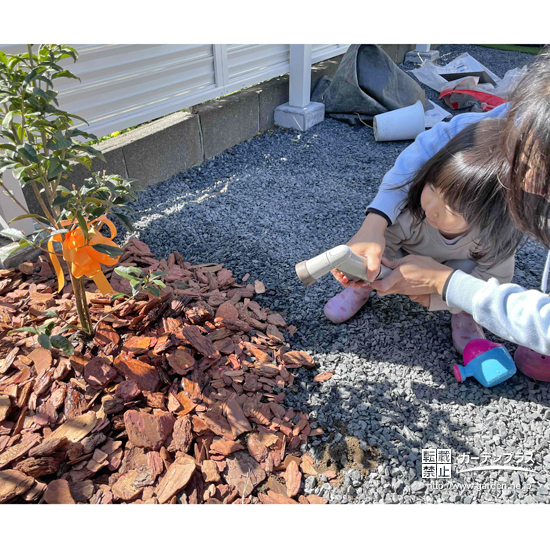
81,304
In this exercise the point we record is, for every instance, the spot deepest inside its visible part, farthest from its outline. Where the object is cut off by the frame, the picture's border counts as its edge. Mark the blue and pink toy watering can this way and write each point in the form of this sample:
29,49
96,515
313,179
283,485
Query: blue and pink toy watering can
489,363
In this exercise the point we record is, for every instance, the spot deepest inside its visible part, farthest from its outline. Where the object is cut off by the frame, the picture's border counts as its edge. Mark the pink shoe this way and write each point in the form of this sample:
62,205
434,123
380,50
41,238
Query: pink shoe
345,305
533,364
464,329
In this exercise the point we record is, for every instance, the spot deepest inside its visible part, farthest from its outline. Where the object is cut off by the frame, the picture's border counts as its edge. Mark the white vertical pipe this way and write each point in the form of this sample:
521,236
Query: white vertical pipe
300,75
9,209
221,68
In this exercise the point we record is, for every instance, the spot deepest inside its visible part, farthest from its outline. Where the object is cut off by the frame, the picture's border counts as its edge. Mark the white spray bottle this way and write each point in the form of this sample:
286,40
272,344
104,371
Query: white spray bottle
341,258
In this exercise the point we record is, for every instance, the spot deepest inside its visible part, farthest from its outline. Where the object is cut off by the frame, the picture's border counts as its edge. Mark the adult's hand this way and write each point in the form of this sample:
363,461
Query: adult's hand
369,242
423,299
414,276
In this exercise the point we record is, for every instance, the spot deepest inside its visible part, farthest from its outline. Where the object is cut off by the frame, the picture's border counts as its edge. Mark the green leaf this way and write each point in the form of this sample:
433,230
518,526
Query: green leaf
72,115
159,273
153,290
45,79
40,93
69,327
92,151
17,172
29,152
7,120
83,225
58,143
136,286
65,74
4,255
44,341
62,343
77,132
13,234
85,161
51,313
32,330
159,283
93,200
111,251
136,271
53,65
118,295
47,328
60,200
15,60
6,166
35,216
129,272
43,52
124,220
70,50
55,168
96,212
9,134
31,76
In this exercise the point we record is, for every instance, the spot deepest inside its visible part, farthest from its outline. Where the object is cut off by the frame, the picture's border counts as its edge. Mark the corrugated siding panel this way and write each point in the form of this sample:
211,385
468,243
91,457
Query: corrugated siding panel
320,52
128,84
246,60
123,85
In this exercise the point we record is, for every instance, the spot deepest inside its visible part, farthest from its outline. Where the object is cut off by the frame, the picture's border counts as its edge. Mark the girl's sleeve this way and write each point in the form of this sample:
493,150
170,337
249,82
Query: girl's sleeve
503,272
388,199
398,232
508,310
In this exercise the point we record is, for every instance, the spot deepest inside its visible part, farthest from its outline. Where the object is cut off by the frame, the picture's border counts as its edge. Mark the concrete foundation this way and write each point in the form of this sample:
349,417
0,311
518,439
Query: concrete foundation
299,118
415,56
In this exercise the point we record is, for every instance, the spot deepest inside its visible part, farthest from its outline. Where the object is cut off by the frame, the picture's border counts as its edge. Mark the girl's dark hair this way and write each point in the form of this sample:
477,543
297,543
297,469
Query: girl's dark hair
526,143
468,172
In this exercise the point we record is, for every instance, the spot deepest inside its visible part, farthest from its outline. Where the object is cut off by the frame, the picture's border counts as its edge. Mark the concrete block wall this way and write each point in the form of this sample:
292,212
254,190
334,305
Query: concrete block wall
160,149
229,120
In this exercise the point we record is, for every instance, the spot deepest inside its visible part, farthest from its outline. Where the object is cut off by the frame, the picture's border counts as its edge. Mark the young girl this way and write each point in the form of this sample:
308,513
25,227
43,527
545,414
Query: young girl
455,212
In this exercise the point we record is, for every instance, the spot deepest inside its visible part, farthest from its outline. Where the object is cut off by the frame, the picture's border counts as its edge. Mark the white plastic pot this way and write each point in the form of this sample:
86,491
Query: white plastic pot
405,123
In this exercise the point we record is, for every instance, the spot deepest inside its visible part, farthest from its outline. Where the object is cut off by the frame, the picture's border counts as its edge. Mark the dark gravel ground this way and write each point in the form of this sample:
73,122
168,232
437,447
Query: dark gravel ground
285,196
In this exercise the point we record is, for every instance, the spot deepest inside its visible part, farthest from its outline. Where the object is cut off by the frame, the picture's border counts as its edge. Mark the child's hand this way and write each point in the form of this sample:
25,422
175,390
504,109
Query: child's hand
413,275
344,281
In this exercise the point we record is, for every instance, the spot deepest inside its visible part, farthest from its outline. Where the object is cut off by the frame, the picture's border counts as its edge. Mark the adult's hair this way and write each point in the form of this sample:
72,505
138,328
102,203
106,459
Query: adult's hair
467,172
526,143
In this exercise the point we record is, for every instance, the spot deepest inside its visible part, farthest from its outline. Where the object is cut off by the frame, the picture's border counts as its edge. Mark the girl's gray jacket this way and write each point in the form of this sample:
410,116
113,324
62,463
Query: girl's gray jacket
508,310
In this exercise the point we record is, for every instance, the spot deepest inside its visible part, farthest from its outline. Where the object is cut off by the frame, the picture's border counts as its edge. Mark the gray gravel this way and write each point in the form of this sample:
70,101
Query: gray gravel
285,196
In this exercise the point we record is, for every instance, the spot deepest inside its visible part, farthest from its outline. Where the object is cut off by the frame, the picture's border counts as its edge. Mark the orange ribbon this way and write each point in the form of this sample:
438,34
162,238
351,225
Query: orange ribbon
81,257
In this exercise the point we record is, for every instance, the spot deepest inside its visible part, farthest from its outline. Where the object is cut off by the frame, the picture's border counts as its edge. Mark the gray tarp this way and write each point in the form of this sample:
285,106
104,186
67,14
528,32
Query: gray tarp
366,83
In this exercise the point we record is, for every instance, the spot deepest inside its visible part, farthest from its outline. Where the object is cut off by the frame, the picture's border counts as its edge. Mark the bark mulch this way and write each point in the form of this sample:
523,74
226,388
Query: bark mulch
177,399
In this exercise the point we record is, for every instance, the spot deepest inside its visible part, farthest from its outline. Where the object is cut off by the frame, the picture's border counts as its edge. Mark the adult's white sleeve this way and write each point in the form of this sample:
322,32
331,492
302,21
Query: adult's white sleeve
508,310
